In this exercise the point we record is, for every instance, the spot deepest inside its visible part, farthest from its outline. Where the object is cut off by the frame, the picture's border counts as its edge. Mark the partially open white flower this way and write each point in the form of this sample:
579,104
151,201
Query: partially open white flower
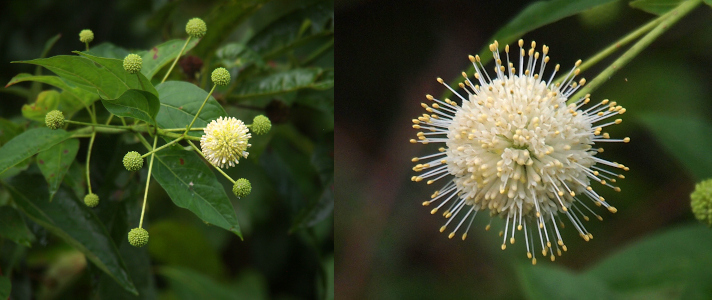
225,141
515,148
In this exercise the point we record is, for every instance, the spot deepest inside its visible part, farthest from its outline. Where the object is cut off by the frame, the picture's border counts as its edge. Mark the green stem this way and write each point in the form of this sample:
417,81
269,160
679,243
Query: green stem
108,121
593,60
176,60
216,168
148,181
91,143
667,20
162,147
101,125
199,110
87,46
182,129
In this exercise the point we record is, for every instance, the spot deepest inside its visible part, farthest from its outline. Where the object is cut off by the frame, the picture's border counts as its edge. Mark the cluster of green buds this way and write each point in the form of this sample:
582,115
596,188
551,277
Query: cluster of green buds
701,202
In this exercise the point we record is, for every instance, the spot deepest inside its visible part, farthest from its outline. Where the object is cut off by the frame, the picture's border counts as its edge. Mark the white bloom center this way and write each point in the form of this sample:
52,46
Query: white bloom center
225,141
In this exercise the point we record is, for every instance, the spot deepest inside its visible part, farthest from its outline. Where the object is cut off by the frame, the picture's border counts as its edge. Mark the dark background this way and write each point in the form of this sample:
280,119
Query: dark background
389,55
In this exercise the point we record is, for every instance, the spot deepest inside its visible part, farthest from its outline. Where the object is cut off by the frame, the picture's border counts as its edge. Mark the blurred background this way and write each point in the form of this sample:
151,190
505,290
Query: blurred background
287,221
388,246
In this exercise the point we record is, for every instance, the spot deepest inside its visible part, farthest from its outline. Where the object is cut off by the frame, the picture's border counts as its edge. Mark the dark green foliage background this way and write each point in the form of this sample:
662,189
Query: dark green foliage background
284,53
388,246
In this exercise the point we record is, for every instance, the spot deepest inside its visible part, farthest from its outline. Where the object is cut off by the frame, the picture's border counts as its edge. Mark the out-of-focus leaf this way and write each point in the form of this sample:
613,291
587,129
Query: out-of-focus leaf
320,208
294,29
179,244
192,185
76,180
672,265
221,21
46,101
189,285
657,7
323,157
28,144
5,287
71,220
675,134
238,55
180,101
13,227
161,16
54,163
79,97
708,2
62,271
161,55
92,74
285,82
8,130
137,104
326,287
108,50
548,282
532,17
36,86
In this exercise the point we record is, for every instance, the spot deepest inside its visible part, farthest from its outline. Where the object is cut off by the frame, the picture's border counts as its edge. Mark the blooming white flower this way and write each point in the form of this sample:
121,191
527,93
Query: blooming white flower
515,148
225,141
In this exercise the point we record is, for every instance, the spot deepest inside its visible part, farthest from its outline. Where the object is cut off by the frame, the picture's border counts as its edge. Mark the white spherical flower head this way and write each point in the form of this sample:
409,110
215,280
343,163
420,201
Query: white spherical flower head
516,149
225,141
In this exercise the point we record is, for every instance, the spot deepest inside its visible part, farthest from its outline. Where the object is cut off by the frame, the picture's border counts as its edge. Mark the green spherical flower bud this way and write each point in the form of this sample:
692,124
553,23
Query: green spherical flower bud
242,188
132,63
54,119
702,202
261,125
133,161
220,76
138,237
196,28
86,36
91,200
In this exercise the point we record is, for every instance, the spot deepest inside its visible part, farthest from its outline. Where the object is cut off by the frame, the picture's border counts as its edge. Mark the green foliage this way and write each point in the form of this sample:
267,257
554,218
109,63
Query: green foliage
271,53
192,185
72,221
657,7
54,163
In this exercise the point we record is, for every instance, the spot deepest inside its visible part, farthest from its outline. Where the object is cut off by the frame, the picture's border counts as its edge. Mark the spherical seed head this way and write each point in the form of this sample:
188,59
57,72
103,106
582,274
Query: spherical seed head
133,161
225,141
261,125
54,119
133,63
196,28
91,200
86,36
242,188
220,76
138,237
702,202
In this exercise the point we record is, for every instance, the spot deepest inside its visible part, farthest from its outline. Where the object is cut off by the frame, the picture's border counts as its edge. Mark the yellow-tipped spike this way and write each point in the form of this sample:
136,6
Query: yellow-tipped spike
443,228
451,235
511,240
432,212
612,209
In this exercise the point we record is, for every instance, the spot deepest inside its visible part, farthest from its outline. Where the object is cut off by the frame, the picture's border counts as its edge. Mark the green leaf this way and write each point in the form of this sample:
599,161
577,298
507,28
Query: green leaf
548,282
294,29
708,2
180,244
180,102
189,285
13,227
657,7
54,163
163,54
137,104
285,82
675,134
108,50
104,76
222,21
672,265
327,291
29,143
192,185
46,101
238,55
535,15
320,208
5,287
79,97
71,220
